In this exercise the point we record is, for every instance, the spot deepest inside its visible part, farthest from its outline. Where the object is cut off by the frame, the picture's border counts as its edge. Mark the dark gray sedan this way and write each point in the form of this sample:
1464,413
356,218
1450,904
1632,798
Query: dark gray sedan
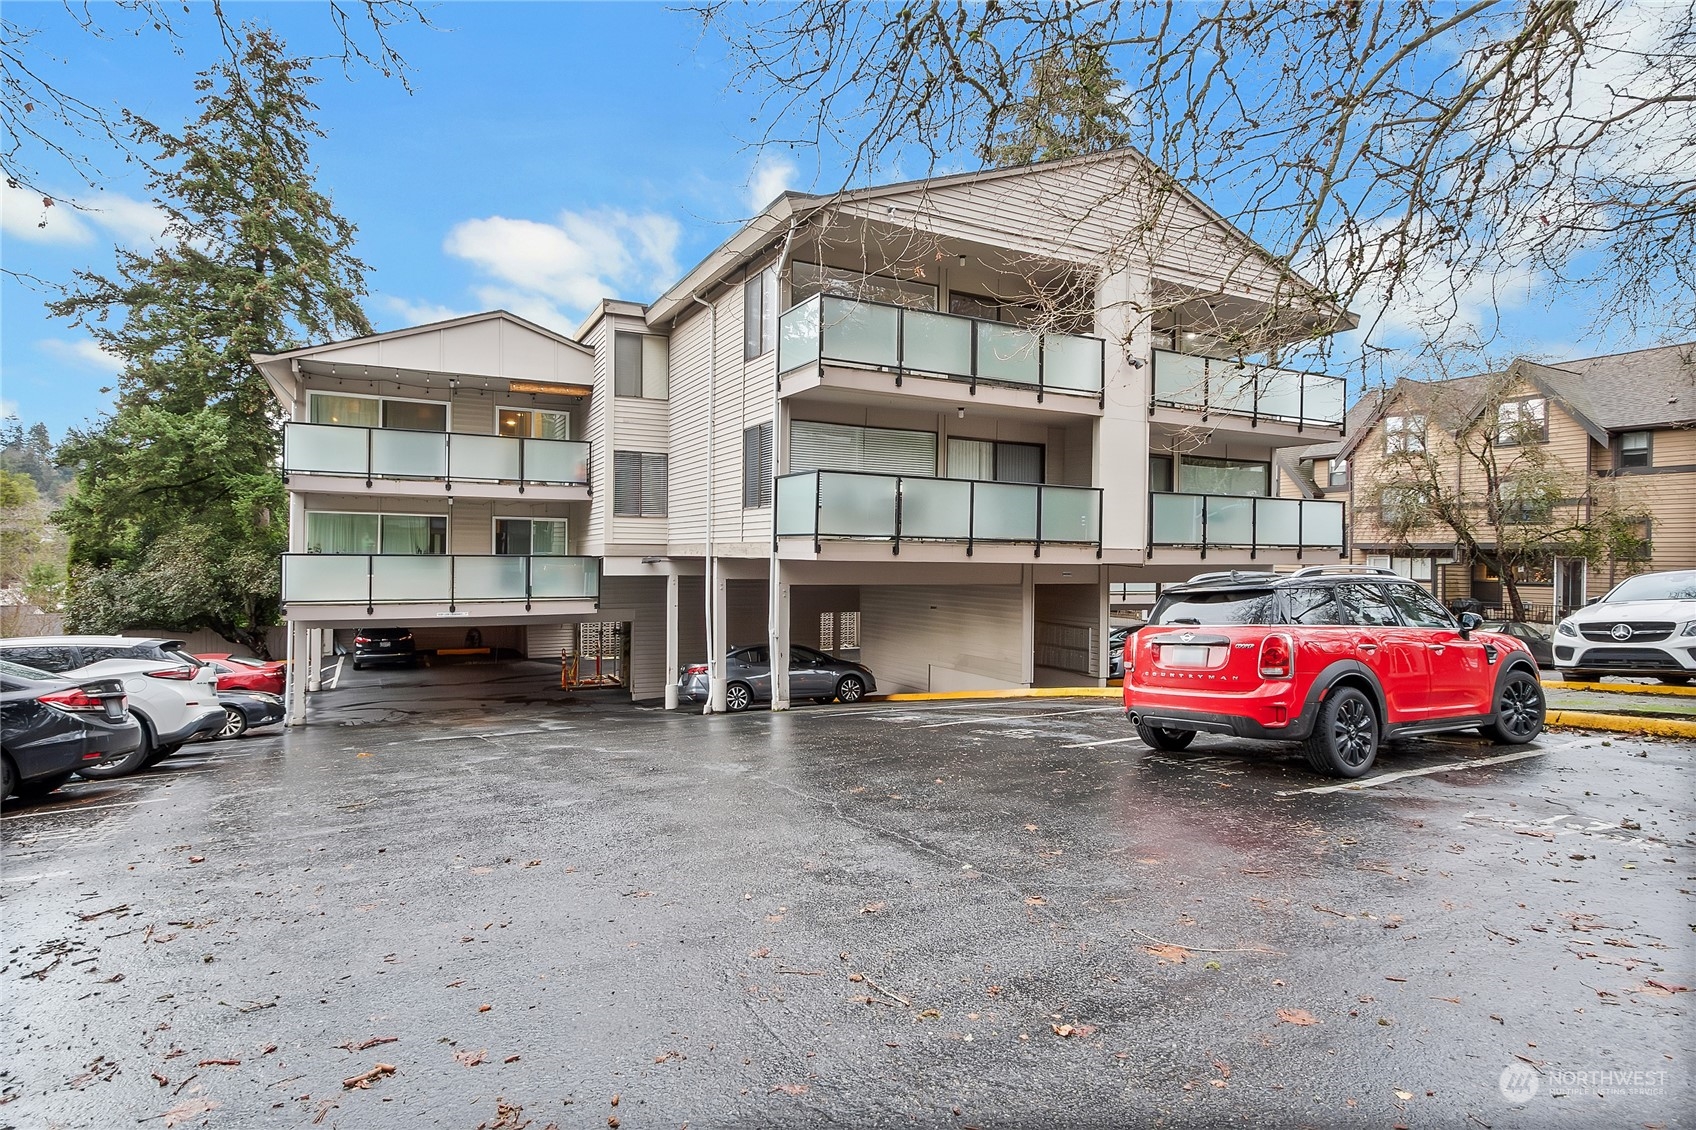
747,672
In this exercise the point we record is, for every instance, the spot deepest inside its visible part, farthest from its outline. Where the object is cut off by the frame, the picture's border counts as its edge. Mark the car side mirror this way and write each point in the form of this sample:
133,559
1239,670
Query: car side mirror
1469,622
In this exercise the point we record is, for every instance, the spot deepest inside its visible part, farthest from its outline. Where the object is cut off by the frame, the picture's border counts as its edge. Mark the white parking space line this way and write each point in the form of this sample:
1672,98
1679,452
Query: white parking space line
1107,741
61,810
996,718
1446,767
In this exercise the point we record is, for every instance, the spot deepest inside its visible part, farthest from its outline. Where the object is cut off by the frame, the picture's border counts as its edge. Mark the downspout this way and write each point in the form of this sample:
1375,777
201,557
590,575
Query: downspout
715,661
777,642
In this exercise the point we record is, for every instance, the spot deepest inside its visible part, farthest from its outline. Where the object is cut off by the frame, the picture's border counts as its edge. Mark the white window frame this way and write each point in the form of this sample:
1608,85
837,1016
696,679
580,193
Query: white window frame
314,394
531,410
494,534
1403,433
447,520
1511,414
650,385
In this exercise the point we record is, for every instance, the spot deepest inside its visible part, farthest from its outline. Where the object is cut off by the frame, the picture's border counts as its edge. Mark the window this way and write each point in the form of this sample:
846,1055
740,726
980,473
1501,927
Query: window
1524,503
530,537
1312,606
1414,568
639,484
1338,474
1240,477
995,461
1399,505
334,532
1160,473
641,366
533,423
377,412
849,447
759,314
1366,605
1419,608
1404,433
756,465
1635,449
808,279
1525,420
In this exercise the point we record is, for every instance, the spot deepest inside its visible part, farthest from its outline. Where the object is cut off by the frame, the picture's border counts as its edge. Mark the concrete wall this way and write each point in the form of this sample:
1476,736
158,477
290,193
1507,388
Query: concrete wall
920,638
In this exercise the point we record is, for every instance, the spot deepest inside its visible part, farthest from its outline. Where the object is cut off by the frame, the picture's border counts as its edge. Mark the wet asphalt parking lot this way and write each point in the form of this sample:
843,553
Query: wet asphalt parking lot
545,910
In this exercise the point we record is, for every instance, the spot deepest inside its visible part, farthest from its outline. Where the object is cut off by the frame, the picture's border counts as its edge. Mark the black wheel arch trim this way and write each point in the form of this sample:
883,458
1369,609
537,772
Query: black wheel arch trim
1326,682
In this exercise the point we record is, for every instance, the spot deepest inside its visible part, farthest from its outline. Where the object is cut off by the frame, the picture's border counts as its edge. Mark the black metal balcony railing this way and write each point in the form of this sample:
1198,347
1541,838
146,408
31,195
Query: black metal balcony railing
433,578
1219,521
1259,392
861,505
397,453
905,341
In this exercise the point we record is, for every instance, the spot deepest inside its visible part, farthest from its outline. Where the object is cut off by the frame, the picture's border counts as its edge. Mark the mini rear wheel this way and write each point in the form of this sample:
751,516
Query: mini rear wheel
1162,738
1519,710
1344,742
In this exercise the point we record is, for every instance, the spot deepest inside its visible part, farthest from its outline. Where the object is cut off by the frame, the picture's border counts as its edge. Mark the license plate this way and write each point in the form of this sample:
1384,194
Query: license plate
1183,655
382,643
114,712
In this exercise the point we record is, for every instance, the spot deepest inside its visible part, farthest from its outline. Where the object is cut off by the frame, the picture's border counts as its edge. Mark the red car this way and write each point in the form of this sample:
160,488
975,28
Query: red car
1339,658
242,673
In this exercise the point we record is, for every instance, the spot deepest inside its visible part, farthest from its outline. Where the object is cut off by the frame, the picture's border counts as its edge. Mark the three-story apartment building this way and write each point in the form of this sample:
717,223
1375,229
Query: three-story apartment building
932,422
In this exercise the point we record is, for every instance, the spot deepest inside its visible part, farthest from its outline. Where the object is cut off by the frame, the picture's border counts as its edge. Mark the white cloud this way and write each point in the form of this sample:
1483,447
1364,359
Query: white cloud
529,306
8,409
574,262
411,313
27,216
769,177
83,352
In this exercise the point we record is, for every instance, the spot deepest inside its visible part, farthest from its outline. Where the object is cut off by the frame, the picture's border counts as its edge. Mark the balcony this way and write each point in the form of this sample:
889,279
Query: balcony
397,455
371,579
855,505
1257,393
841,331
1220,521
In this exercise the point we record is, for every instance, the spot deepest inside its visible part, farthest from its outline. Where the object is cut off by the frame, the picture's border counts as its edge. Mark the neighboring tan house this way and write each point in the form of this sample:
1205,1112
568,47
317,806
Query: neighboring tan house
932,424
1621,429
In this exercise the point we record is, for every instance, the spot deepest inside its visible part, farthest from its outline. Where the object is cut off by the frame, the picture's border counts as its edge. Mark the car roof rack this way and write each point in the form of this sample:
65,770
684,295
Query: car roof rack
1320,570
1231,575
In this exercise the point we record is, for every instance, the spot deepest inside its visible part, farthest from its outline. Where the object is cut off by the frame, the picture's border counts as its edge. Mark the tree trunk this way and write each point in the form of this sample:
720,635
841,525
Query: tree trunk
1511,588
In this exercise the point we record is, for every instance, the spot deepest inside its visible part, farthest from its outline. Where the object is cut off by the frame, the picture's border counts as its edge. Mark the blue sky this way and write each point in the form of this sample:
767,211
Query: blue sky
550,154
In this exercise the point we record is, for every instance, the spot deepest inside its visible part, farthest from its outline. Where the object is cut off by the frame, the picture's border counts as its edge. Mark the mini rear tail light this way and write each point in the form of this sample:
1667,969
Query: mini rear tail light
1276,656
175,673
76,699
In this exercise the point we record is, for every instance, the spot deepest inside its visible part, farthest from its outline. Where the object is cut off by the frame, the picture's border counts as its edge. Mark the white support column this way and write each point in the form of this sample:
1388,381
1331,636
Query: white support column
777,636
672,584
1106,595
717,635
1120,467
299,661
1027,625
313,658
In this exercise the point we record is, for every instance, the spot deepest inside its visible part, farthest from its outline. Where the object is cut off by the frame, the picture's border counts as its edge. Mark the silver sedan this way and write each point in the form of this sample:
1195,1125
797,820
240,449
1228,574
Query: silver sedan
747,671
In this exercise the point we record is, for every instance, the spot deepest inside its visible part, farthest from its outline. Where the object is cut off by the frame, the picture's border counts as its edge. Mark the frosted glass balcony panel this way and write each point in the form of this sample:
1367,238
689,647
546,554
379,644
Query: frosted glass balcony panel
410,577
564,578
856,505
1071,363
324,448
1280,394
417,455
326,577
797,504
1070,514
1278,522
556,461
1324,399
490,458
488,578
937,343
1180,378
798,336
1005,512
1322,524
1230,388
1230,520
936,508
1007,353
1177,519
859,333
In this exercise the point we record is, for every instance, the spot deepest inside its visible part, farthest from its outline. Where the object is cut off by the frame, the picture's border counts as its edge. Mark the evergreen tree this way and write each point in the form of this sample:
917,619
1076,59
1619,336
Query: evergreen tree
1072,105
177,494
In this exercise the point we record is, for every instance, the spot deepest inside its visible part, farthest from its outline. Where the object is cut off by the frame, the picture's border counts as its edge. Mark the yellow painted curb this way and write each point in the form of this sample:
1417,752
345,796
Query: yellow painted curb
1621,723
1620,688
1009,692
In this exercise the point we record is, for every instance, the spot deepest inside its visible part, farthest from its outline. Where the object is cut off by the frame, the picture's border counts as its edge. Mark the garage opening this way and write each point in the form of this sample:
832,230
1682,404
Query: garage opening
599,656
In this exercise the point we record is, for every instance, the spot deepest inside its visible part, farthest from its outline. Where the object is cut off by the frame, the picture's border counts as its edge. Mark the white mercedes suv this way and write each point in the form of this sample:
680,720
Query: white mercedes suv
1645,626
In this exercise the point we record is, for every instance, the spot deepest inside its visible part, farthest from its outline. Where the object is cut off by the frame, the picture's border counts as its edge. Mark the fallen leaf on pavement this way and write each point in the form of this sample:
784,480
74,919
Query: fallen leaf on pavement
874,907
187,1110
789,1089
1297,1016
1036,900
1404,1096
197,859
1663,987
364,1080
472,1059
1177,955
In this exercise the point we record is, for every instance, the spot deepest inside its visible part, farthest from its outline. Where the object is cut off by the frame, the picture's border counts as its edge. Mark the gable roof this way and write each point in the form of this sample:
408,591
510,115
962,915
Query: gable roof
788,209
